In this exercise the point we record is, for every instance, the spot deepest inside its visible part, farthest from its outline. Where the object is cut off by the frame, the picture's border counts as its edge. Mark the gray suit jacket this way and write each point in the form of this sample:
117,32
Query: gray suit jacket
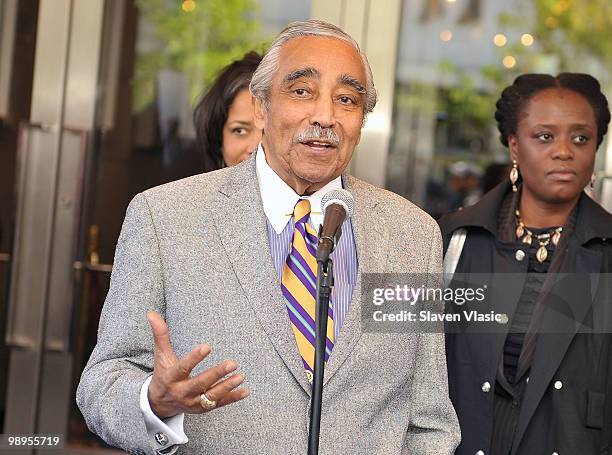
196,251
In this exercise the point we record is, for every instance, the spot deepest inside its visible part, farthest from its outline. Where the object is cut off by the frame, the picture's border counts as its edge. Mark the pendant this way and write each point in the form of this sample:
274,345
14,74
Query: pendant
556,237
527,239
519,231
542,254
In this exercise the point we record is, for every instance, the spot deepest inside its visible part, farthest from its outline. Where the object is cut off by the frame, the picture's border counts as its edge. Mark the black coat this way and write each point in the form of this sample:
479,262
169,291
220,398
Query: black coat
567,406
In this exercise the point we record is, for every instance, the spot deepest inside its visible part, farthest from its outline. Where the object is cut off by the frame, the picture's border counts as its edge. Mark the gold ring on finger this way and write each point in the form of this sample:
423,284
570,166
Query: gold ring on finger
206,403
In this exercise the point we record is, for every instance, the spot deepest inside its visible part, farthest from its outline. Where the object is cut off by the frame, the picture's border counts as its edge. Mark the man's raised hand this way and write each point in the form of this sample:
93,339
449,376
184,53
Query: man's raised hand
173,390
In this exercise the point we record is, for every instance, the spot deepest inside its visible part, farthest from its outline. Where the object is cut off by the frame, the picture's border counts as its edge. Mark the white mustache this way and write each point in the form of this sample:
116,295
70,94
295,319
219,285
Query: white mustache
318,133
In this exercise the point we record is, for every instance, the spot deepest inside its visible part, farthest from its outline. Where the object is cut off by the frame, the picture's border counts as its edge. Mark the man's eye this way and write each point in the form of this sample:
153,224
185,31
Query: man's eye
346,100
300,91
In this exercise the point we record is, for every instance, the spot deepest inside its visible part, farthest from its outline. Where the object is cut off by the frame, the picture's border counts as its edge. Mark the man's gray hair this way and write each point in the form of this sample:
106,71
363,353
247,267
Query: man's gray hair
262,78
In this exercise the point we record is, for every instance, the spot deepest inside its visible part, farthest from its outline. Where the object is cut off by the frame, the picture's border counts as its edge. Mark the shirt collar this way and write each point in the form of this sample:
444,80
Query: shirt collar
279,199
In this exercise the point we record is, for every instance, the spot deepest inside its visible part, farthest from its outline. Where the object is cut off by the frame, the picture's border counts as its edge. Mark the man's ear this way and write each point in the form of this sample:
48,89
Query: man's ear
513,147
260,113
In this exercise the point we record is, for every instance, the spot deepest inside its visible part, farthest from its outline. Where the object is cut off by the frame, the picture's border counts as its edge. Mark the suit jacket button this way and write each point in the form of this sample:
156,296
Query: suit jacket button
519,255
558,385
161,438
486,387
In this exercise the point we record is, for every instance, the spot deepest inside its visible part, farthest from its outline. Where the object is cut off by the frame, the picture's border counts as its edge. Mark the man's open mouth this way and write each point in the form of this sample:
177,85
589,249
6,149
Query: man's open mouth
316,144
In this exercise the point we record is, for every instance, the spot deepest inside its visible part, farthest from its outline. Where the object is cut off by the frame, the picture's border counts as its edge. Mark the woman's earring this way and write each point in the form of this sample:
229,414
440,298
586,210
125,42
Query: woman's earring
514,175
593,178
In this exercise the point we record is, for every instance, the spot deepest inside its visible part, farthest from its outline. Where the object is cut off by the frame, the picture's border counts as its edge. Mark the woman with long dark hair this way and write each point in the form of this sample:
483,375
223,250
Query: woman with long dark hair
542,382
224,116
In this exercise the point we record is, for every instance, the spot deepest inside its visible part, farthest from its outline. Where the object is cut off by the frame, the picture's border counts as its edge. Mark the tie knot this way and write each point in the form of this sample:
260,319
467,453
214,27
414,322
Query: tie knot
301,211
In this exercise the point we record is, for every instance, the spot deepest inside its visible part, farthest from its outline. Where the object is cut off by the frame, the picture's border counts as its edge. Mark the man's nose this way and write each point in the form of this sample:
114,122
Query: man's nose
323,113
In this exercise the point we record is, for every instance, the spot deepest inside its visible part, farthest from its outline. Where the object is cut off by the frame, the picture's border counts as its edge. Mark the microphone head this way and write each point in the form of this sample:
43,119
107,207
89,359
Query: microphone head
339,196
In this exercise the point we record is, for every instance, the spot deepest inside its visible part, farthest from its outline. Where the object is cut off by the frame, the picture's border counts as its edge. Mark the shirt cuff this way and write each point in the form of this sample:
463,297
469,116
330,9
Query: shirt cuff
164,434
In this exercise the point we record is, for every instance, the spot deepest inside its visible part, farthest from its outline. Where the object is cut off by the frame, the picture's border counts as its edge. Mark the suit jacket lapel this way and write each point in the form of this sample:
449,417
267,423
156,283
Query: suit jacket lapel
568,308
507,287
248,250
503,293
371,243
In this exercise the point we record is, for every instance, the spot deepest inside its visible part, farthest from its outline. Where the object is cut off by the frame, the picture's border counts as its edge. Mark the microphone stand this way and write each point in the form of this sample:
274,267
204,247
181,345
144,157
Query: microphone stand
325,282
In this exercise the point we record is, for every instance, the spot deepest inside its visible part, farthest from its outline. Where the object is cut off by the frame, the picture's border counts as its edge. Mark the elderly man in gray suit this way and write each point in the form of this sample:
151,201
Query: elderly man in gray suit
224,258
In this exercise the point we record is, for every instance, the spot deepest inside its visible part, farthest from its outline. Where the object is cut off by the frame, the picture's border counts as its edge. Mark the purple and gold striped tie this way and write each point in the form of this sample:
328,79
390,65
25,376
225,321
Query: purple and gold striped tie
299,285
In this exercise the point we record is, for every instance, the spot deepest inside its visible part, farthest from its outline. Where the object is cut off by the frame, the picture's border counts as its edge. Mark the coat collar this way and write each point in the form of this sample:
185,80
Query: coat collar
594,222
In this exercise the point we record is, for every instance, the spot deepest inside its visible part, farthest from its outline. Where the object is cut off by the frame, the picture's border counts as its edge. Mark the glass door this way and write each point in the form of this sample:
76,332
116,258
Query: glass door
18,21
112,87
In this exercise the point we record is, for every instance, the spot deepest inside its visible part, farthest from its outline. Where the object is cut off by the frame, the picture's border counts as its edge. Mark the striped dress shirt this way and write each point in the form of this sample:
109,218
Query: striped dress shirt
344,258
279,200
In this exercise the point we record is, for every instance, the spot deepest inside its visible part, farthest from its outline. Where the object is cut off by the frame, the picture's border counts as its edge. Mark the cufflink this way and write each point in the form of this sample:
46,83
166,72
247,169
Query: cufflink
161,438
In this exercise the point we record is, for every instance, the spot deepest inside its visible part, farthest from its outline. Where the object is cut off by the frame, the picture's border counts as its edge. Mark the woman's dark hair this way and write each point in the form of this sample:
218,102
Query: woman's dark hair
514,98
210,114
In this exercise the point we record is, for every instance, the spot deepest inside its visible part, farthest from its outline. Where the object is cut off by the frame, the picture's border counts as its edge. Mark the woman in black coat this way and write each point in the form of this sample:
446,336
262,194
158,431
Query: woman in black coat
542,382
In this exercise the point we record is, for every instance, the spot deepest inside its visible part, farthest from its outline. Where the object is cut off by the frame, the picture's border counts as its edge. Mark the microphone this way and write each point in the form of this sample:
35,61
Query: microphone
337,206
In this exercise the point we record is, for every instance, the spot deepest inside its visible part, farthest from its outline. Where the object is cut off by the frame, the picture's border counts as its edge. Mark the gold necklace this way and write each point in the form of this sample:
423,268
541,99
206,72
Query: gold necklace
526,236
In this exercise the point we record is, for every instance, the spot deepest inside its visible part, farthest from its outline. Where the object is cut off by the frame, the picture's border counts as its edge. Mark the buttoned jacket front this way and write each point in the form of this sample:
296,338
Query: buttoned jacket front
567,406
